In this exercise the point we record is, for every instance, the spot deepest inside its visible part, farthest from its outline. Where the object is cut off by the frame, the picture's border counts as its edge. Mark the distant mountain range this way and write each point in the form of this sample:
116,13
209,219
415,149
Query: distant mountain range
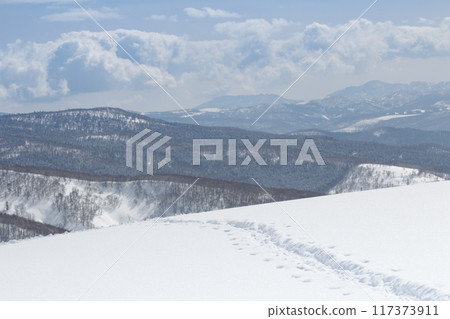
234,102
379,90
417,105
93,142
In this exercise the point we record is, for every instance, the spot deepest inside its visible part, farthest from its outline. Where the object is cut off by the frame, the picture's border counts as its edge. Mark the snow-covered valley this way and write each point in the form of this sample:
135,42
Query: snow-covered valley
388,244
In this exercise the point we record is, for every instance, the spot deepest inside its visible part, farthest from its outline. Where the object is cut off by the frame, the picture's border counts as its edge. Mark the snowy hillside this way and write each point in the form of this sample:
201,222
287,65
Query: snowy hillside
373,176
237,101
77,204
383,244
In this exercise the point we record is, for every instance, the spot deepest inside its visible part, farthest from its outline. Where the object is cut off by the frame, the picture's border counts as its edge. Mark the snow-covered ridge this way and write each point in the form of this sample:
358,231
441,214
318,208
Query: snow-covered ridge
43,118
389,244
75,204
372,176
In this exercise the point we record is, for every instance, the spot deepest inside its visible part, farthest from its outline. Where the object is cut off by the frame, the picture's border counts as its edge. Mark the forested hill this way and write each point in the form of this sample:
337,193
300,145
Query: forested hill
93,142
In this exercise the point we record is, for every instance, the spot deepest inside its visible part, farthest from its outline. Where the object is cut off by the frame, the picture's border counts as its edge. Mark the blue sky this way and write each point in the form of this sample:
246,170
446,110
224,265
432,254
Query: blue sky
52,56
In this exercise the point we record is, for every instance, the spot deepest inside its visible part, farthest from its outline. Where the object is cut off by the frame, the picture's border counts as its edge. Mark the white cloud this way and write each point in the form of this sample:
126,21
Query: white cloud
64,87
80,15
3,92
207,12
249,57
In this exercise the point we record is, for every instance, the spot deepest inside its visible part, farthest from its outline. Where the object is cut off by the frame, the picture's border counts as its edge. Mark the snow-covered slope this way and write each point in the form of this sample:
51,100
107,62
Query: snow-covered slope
373,176
77,204
383,244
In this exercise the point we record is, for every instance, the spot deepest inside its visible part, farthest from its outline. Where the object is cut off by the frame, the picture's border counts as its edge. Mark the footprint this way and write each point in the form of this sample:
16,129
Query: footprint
267,259
366,261
280,266
296,276
307,280
301,267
